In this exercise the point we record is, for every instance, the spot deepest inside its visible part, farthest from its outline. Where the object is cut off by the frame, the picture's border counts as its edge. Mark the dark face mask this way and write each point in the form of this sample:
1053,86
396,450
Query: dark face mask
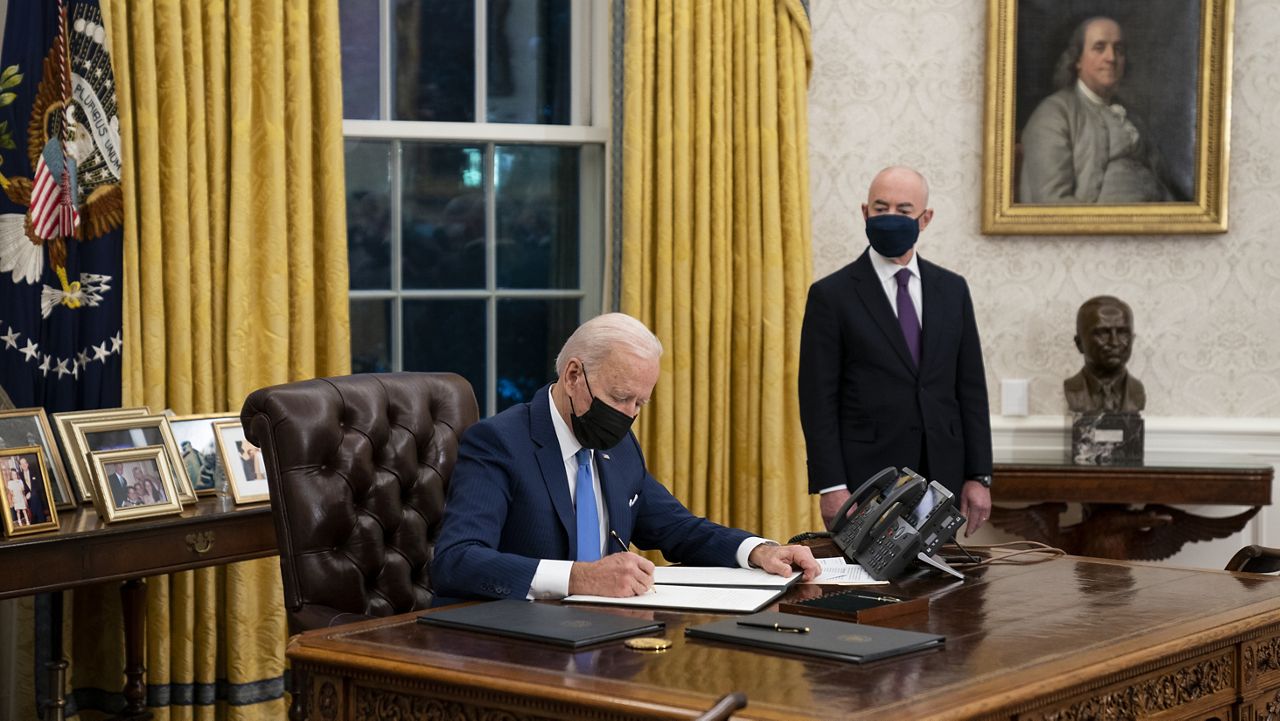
602,427
892,235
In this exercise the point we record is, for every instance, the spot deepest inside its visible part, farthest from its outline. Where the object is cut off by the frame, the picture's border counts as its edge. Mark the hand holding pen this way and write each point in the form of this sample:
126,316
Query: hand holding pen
617,574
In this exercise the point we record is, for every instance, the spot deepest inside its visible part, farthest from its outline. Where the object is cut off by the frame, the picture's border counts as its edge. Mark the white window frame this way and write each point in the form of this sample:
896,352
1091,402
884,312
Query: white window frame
590,121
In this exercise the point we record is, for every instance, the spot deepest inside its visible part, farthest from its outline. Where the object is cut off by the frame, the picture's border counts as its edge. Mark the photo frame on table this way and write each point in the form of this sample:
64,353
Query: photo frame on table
198,447
133,483
132,432
1147,155
30,427
246,470
26,496
76,463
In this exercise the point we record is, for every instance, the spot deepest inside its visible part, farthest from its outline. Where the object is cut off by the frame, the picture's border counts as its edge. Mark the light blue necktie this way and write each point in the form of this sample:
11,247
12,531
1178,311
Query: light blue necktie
588,519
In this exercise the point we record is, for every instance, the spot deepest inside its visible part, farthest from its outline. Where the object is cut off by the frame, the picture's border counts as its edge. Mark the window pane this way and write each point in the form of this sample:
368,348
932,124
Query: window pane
528,63
442,234
536,191
360,43
371,336
530,333
433,60
447,335
368,168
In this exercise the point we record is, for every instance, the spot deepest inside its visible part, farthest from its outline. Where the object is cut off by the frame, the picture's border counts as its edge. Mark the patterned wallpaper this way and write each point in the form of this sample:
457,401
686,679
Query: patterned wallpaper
901,81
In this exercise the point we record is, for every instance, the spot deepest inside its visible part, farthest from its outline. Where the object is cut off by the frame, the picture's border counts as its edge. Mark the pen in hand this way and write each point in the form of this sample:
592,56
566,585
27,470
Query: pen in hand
618,538
775,627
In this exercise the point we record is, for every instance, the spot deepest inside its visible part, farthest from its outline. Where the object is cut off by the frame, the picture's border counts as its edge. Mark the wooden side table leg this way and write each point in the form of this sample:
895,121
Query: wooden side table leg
133,598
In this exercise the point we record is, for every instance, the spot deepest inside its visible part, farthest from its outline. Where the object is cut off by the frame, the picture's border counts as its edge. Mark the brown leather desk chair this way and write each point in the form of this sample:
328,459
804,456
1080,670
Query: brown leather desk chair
358,468
1255,559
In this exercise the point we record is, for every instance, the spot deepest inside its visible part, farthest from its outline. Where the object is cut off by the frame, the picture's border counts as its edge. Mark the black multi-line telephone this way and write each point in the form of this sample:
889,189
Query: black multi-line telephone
898,518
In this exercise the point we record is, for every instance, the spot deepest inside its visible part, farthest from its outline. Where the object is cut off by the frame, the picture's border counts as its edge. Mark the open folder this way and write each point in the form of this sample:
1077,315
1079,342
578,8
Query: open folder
698,588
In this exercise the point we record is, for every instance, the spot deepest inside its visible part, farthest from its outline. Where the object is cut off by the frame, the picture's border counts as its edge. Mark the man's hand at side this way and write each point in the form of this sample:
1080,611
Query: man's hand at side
975,506
617,575
830,502
779,560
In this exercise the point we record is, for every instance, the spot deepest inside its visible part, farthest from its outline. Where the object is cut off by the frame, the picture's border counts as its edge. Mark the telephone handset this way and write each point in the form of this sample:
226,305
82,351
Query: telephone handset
898,503
891,527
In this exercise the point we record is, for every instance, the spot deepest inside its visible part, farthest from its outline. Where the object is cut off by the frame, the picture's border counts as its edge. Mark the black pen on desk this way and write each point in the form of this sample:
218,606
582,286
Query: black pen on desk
618,538
775,627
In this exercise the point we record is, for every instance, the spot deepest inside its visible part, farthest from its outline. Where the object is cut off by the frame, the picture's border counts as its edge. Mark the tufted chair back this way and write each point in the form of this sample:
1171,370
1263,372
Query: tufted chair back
358,467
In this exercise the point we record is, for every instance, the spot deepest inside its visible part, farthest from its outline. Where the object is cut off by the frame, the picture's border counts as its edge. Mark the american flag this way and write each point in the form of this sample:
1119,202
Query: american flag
53,201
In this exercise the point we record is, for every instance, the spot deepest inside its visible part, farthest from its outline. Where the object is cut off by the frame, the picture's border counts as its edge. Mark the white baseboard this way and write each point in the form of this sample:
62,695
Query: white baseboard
1208,441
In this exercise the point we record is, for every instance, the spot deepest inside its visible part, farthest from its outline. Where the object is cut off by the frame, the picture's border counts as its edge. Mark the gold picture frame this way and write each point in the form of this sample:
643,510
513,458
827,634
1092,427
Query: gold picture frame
28,427
26,497
1178,55
203,456
77,466
238,455
95,435
151,492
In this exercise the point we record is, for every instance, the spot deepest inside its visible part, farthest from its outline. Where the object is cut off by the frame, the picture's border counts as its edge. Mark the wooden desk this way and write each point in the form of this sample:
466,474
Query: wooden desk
1110,528
85,550
1072,638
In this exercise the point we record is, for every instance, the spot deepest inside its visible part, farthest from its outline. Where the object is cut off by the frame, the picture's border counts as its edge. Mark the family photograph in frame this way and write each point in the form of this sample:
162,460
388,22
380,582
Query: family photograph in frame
30,427
133,483
1107,117
198,448
26,496
77,464
94,435
246,469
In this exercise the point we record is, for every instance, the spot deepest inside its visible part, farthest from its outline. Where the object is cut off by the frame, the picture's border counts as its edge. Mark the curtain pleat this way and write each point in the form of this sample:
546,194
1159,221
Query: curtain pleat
716,248
235,277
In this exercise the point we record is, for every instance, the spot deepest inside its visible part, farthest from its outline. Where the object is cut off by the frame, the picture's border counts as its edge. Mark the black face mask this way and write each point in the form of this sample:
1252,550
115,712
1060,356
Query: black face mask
892,235
602,427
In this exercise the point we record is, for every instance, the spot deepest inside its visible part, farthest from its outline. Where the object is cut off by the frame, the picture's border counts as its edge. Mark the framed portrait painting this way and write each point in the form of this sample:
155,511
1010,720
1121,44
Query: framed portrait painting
109,434
133,483
246,469
1106,117
199,450
26,496
30,427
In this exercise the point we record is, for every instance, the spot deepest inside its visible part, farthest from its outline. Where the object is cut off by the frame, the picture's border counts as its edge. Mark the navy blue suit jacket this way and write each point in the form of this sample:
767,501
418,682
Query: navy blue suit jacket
509,507
865,405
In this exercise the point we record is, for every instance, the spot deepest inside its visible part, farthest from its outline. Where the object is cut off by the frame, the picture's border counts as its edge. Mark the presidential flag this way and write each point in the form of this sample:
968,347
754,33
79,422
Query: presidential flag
60,210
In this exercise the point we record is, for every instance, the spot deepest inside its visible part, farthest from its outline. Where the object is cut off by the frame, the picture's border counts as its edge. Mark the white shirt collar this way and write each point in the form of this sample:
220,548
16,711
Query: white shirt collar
885,268
1089,95
569,445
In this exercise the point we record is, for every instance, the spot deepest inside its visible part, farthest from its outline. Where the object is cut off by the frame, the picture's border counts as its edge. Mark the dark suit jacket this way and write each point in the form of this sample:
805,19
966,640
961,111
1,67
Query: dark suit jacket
119,488
509,507
863,403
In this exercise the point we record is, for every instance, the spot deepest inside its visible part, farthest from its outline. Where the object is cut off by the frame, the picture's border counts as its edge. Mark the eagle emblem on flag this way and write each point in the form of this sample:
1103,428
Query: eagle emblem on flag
73,144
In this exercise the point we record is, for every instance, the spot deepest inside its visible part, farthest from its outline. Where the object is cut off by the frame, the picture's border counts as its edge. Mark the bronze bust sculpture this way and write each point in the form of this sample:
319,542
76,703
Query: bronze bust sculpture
1104,334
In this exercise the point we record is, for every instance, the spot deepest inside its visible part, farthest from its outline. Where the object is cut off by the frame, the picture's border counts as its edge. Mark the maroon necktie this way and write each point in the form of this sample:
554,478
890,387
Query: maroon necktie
907,318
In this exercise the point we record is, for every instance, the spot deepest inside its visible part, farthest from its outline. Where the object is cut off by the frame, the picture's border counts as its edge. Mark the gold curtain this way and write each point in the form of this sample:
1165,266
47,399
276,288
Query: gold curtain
716,255
235,277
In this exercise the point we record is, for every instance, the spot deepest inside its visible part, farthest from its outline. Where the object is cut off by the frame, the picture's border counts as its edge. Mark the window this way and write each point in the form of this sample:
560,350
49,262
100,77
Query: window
476,146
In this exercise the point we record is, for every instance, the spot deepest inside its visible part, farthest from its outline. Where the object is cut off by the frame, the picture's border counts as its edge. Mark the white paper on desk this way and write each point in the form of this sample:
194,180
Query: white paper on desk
840,571
694,598
720,576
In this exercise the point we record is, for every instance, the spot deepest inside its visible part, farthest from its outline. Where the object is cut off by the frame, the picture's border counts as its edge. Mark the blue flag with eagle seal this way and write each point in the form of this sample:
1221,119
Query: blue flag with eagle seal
61,209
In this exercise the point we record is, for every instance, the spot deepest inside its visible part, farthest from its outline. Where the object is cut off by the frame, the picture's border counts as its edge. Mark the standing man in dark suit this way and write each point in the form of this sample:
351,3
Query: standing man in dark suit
890,364
546,493
119,486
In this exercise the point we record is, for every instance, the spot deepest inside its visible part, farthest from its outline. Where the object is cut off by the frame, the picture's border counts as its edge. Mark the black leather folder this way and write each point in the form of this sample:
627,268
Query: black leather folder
559,625
825,638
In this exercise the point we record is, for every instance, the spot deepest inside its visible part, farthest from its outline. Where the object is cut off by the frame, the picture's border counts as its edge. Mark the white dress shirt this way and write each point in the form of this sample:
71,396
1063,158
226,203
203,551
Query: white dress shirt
551,579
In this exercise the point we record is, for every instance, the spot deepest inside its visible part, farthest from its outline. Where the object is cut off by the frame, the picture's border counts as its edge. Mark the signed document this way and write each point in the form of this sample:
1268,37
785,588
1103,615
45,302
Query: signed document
719,576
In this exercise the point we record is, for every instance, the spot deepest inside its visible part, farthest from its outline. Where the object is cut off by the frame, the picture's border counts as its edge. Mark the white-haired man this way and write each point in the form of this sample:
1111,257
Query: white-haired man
547,495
